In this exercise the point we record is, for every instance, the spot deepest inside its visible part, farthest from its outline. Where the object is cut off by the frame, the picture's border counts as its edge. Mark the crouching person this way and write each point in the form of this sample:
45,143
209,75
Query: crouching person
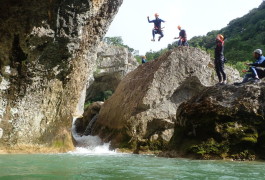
256,70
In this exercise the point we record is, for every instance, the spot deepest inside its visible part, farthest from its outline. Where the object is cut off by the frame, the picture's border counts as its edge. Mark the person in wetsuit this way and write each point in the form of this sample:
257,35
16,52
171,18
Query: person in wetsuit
182,37
219,59
157,27
256,69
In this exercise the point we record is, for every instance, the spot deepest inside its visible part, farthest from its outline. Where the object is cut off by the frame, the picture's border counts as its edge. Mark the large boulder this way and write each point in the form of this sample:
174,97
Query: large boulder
142,111
47,56
113,63
222,122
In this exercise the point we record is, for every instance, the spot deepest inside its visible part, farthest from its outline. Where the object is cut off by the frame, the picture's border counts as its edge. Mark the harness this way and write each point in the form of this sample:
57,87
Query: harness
157,30
183,35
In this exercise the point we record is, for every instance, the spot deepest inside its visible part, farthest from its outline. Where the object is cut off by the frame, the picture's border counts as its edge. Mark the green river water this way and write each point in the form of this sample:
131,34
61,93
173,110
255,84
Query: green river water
114,166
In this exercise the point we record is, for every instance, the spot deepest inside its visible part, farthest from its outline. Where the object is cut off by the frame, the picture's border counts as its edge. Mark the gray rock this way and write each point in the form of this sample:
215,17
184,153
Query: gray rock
91,111
51,45
113,63
146,100
222,122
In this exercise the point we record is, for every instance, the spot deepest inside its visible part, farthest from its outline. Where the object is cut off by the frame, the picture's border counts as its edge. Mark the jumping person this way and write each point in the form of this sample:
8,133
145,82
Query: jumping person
157,27
219,59
182,37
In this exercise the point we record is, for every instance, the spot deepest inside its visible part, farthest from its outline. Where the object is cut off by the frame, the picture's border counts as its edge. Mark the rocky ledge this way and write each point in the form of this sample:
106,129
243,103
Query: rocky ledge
140,115
221,122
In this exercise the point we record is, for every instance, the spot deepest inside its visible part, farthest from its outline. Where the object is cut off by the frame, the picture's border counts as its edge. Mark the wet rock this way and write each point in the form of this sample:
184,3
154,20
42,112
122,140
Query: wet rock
90,113
222,122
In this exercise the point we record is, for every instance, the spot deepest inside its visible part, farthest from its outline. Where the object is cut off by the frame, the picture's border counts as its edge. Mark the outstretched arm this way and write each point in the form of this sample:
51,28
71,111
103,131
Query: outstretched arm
149,20
256,64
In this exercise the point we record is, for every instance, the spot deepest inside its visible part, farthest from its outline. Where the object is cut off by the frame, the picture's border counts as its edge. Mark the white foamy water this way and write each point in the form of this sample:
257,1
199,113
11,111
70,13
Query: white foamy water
98,150
89,145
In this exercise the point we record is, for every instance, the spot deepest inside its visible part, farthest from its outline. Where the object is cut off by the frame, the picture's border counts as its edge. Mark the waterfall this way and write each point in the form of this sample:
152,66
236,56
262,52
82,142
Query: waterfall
89,144
58,22
88,130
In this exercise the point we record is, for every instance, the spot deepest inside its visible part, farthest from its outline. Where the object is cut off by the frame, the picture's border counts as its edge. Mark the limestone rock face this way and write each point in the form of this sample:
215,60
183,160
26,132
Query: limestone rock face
113,63
222,121
143,107
47,55
111,59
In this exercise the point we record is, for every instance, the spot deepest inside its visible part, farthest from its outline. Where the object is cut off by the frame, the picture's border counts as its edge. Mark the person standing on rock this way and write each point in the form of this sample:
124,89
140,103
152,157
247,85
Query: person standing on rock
219,59
182,37
157,27
143,59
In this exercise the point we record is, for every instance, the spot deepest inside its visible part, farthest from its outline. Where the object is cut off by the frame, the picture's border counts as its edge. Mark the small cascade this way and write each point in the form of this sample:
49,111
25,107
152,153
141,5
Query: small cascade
58,22
96,150
85,143
88,144
88,130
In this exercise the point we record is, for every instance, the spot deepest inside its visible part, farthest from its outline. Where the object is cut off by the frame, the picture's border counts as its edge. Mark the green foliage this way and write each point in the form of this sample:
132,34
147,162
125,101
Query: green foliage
152,55
117,41
209,148
244,155
250,139
138,58
102,96
239,66
87,104
243,35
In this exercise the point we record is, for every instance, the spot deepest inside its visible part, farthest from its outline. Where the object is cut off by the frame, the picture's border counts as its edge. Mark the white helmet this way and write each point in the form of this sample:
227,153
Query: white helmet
258,51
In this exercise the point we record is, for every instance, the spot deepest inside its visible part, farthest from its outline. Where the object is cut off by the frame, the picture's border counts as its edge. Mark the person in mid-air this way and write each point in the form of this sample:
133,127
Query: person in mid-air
182,37
157,27
219,59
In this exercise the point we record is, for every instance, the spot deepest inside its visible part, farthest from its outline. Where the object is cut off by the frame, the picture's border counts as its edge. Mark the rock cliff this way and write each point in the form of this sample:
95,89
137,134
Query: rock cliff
113,63
142,111
47,55
222,122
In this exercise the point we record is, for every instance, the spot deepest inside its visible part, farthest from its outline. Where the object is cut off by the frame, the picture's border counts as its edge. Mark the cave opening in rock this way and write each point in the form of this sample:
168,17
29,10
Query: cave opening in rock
17,56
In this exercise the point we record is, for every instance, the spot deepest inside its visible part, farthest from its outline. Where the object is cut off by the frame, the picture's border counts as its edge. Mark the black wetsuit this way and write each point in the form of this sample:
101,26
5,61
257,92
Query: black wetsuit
219,60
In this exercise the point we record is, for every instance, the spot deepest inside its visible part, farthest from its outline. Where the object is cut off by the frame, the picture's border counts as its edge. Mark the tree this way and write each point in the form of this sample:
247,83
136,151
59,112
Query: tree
117,41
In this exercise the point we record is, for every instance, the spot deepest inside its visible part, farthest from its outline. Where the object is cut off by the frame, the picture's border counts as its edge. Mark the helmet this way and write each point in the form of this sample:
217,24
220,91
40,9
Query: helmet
258,51
156,14
220,36
179,27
